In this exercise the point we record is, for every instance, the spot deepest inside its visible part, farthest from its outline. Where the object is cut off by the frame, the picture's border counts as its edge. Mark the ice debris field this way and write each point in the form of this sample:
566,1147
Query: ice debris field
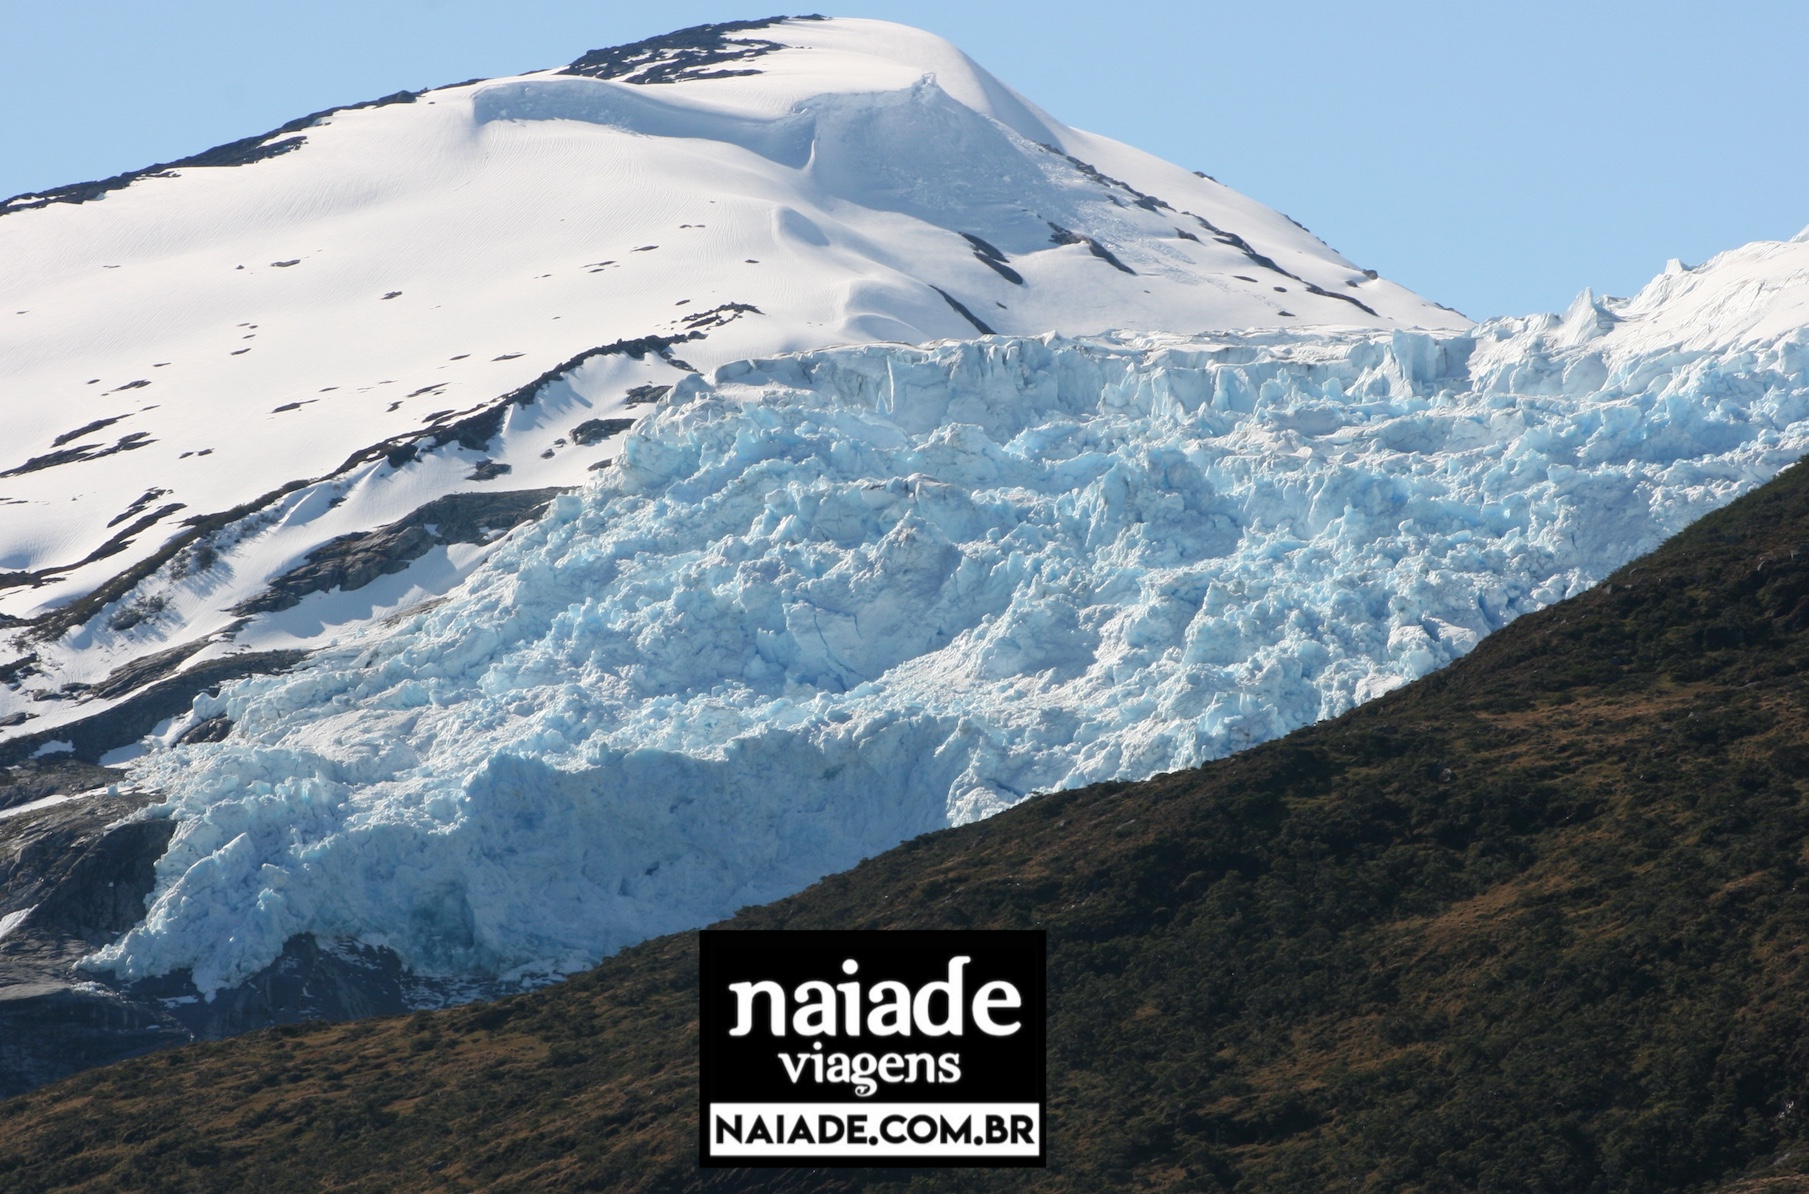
823,602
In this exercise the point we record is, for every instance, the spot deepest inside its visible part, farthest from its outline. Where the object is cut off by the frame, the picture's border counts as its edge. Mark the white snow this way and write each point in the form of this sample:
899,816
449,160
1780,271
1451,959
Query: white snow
42,802
859,575
123,754
827,601
256,325
13,920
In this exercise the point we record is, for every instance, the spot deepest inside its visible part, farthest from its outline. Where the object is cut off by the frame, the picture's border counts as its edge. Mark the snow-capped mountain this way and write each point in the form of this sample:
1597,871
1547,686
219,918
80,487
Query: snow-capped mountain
214,368
952,455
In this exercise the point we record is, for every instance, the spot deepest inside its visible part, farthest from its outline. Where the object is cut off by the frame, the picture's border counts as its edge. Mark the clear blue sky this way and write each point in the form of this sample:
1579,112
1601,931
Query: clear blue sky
1494,156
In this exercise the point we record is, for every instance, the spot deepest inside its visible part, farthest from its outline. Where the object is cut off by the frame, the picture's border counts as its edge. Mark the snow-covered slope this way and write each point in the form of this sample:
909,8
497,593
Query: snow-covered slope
213,369
858,571
827,601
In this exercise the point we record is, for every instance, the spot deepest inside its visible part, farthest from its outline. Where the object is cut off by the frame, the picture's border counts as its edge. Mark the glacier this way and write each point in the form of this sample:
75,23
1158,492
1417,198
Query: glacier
825,601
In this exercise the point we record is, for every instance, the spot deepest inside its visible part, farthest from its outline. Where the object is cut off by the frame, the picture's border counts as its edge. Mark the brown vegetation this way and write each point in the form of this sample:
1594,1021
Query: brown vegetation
1539,922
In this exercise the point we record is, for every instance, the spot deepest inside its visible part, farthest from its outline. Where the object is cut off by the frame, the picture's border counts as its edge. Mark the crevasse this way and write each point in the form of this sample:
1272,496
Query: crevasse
829,601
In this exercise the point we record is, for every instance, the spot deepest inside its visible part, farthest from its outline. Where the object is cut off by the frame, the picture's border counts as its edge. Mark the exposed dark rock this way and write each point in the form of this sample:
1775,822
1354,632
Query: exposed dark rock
639,349
81,876
1004,271
134,613
137,507
352,561
138,439
994,260
1343,298
308,981
718,315
963,312
1243,246
14,670
52,776
983,248
234,153
137,715
700,52
489,470
474,431
1139,199
59,621
595,431
113,546
1152,203
50,1029
145,670
86,429
59,1021
646,394
212,729
99,892
1065,236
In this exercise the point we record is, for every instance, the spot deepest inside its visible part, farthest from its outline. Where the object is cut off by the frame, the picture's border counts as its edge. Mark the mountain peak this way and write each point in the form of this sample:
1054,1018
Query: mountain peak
373,307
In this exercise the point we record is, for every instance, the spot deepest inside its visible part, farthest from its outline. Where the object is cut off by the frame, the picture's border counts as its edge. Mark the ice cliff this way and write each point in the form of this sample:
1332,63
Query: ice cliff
826,601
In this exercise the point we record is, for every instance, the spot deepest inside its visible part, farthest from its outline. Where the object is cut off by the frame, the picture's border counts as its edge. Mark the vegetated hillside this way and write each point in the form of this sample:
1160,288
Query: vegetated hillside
1533,923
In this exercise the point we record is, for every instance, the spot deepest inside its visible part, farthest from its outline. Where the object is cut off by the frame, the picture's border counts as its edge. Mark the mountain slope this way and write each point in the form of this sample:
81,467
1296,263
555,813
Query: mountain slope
215,368
1531,922
827,601
819,600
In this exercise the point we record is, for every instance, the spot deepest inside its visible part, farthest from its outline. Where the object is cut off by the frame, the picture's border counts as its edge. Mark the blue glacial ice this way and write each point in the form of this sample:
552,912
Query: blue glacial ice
827,602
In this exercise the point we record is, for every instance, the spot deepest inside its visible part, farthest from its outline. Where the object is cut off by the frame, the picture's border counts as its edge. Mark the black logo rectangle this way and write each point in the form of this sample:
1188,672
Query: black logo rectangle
872,1048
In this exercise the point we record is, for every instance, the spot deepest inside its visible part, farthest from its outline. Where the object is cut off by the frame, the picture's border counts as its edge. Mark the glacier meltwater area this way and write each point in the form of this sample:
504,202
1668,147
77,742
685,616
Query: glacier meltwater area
825,602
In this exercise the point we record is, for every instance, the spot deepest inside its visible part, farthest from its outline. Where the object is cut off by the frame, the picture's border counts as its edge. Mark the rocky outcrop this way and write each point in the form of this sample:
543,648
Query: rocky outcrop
71,877
77,862
133,718
353,561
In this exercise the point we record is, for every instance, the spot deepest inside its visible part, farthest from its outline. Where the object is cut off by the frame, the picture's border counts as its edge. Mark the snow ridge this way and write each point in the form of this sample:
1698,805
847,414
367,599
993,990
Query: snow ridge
826,601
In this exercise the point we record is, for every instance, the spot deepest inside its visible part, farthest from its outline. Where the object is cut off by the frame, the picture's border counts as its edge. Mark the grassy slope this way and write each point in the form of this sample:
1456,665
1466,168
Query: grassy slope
1537,922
